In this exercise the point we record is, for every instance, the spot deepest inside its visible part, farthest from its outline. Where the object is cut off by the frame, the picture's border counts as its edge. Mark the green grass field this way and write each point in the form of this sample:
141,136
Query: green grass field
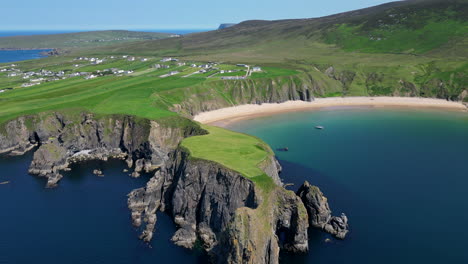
236,151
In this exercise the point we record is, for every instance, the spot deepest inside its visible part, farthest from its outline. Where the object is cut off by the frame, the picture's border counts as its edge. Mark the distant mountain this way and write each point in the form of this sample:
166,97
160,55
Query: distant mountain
80,39
226,25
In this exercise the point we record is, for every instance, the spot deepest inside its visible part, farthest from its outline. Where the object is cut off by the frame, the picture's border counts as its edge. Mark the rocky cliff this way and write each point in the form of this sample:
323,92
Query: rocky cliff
252,91
234,220
320,81
62,139
319,212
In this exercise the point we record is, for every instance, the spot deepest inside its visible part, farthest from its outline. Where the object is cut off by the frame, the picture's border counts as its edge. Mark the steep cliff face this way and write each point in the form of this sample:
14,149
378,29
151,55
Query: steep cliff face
257,236
321,81
252,91
63,139
319,212
234,220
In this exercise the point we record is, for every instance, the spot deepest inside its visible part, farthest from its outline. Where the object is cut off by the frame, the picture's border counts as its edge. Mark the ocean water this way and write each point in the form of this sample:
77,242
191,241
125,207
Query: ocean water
20,55
401,177
85,220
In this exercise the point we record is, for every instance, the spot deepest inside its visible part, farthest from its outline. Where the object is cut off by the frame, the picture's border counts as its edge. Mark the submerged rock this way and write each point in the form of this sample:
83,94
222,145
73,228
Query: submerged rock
319,212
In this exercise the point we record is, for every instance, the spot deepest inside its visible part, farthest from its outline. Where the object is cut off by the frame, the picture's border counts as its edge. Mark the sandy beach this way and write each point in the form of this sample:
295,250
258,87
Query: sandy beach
227,115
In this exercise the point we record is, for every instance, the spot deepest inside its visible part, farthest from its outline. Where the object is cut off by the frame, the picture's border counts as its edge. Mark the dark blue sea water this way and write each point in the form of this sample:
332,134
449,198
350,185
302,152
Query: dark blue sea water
84,220
20,55
400,176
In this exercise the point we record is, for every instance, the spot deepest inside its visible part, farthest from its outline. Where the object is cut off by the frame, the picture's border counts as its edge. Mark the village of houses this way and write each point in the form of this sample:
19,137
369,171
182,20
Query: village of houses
91,67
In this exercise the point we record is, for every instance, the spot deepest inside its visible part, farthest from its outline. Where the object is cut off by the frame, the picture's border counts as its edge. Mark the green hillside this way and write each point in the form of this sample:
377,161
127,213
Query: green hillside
80,39
410,27
404,29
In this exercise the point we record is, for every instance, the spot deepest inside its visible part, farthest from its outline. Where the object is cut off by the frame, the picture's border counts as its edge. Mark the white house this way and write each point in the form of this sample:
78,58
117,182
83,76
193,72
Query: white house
131,58
256,69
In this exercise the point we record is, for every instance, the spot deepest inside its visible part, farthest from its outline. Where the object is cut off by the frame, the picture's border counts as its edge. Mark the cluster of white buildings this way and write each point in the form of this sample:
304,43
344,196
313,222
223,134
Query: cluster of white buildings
168,59
92,60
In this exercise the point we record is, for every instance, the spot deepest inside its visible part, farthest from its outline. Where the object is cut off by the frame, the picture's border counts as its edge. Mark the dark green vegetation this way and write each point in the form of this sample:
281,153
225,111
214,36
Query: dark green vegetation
406,29
80,39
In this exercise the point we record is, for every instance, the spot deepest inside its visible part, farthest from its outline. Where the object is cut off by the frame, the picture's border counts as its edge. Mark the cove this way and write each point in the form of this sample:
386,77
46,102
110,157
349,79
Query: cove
84,220
399,175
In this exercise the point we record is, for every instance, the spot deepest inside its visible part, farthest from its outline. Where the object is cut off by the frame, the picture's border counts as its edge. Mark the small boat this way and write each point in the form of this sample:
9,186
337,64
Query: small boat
5,182
283,149
319,127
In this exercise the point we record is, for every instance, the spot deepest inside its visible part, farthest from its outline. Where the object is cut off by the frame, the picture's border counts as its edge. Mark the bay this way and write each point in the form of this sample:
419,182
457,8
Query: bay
399,175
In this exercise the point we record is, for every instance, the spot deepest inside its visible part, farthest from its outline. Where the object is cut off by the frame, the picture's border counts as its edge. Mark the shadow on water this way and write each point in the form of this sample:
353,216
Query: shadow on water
84,220
337,194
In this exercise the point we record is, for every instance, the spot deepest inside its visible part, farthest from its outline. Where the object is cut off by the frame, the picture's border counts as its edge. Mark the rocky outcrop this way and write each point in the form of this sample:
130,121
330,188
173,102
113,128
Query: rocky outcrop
319,212
250,91
234,220
64,139
257,236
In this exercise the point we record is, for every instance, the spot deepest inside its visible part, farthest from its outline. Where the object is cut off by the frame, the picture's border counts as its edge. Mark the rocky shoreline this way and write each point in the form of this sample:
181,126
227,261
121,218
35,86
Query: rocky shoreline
212,206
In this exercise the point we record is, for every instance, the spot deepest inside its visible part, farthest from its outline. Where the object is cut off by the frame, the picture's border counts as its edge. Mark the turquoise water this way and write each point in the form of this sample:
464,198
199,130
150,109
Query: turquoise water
401,177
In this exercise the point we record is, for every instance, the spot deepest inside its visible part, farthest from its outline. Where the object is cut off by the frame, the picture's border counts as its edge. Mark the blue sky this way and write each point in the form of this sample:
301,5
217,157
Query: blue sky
156,14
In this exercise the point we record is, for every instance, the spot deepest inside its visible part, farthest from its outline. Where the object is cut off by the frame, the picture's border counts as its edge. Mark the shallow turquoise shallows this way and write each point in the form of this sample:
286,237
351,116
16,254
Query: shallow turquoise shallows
401,176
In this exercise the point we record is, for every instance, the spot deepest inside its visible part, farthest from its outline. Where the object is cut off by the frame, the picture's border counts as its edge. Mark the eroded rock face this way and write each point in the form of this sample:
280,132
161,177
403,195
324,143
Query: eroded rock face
62,140
202,197
319,212
316,204
220,208
274,90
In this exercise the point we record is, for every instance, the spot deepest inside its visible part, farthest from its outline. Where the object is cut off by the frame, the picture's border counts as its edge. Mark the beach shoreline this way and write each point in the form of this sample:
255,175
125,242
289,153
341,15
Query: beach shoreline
225,116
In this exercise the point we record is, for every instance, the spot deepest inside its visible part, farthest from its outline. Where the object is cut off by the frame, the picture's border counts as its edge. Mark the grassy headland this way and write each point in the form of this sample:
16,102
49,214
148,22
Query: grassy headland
406,48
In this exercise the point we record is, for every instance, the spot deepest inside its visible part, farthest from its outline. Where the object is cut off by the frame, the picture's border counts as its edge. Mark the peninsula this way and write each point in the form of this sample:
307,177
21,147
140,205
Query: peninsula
149,104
